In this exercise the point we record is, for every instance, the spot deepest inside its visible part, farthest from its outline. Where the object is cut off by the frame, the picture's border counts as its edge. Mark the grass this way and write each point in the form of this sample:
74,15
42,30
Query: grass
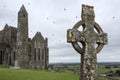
102,78
23,74
104,70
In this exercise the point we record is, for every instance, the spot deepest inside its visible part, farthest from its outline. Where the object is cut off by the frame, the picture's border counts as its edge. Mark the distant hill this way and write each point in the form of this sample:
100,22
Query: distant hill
74,64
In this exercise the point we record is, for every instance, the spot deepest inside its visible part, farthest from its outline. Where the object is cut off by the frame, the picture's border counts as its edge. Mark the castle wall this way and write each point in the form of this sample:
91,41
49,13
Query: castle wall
15,45
7,43
39,53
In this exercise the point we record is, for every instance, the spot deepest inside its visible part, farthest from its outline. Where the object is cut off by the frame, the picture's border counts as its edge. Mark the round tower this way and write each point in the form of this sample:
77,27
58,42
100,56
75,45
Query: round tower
22,38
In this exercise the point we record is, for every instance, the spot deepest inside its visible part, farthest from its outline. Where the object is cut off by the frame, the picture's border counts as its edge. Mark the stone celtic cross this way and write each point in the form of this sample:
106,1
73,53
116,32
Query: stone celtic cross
87,42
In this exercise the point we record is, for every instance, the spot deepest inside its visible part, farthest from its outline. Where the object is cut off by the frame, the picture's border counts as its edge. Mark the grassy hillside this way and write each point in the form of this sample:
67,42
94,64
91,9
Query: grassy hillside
23,74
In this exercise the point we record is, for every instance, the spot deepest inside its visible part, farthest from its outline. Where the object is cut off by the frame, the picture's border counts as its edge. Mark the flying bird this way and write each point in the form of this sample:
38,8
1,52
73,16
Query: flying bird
64,9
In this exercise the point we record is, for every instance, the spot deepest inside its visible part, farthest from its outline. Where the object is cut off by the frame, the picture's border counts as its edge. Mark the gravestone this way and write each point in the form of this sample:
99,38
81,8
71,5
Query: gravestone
88,42
16,65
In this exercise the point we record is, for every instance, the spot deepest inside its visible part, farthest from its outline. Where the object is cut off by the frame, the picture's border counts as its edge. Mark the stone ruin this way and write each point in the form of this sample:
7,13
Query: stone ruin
15,45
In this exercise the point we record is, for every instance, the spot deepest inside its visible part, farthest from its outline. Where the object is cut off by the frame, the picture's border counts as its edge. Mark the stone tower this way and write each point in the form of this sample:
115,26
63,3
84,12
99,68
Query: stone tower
22,38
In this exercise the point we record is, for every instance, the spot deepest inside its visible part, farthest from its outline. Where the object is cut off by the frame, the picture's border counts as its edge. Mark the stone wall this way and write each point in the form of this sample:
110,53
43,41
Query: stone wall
15,45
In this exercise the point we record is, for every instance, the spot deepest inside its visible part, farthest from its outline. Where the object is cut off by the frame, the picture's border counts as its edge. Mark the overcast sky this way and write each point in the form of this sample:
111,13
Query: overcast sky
53,17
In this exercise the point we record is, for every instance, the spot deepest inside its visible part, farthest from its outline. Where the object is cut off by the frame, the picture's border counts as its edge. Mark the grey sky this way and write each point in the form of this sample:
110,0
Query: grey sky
53,17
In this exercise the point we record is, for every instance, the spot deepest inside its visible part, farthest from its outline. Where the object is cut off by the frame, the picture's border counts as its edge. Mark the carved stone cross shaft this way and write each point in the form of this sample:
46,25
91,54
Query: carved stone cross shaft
91,39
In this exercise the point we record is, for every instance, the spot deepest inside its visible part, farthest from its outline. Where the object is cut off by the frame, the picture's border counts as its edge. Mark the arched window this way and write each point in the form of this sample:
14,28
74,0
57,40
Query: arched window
38,53
24,15
34,54
14,55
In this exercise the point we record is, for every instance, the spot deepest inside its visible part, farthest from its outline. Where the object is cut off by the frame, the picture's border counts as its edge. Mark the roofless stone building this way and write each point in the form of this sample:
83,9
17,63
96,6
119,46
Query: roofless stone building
15,45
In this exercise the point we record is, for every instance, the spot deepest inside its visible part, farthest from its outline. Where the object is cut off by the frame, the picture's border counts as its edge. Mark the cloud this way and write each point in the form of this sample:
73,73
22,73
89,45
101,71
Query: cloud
53,17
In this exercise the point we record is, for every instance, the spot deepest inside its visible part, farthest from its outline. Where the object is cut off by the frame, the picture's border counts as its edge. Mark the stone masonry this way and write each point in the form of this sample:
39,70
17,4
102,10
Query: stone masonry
15,45
87,42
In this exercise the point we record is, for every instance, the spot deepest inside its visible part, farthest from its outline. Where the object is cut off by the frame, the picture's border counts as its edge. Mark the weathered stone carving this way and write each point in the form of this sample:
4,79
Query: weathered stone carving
88,38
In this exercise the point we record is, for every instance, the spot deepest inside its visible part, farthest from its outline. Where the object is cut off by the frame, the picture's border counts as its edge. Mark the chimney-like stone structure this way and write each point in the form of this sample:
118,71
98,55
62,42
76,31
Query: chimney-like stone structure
22,38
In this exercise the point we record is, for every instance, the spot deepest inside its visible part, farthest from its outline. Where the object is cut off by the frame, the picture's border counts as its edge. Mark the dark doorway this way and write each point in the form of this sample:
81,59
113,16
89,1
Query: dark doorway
1,57
10,59
6,58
